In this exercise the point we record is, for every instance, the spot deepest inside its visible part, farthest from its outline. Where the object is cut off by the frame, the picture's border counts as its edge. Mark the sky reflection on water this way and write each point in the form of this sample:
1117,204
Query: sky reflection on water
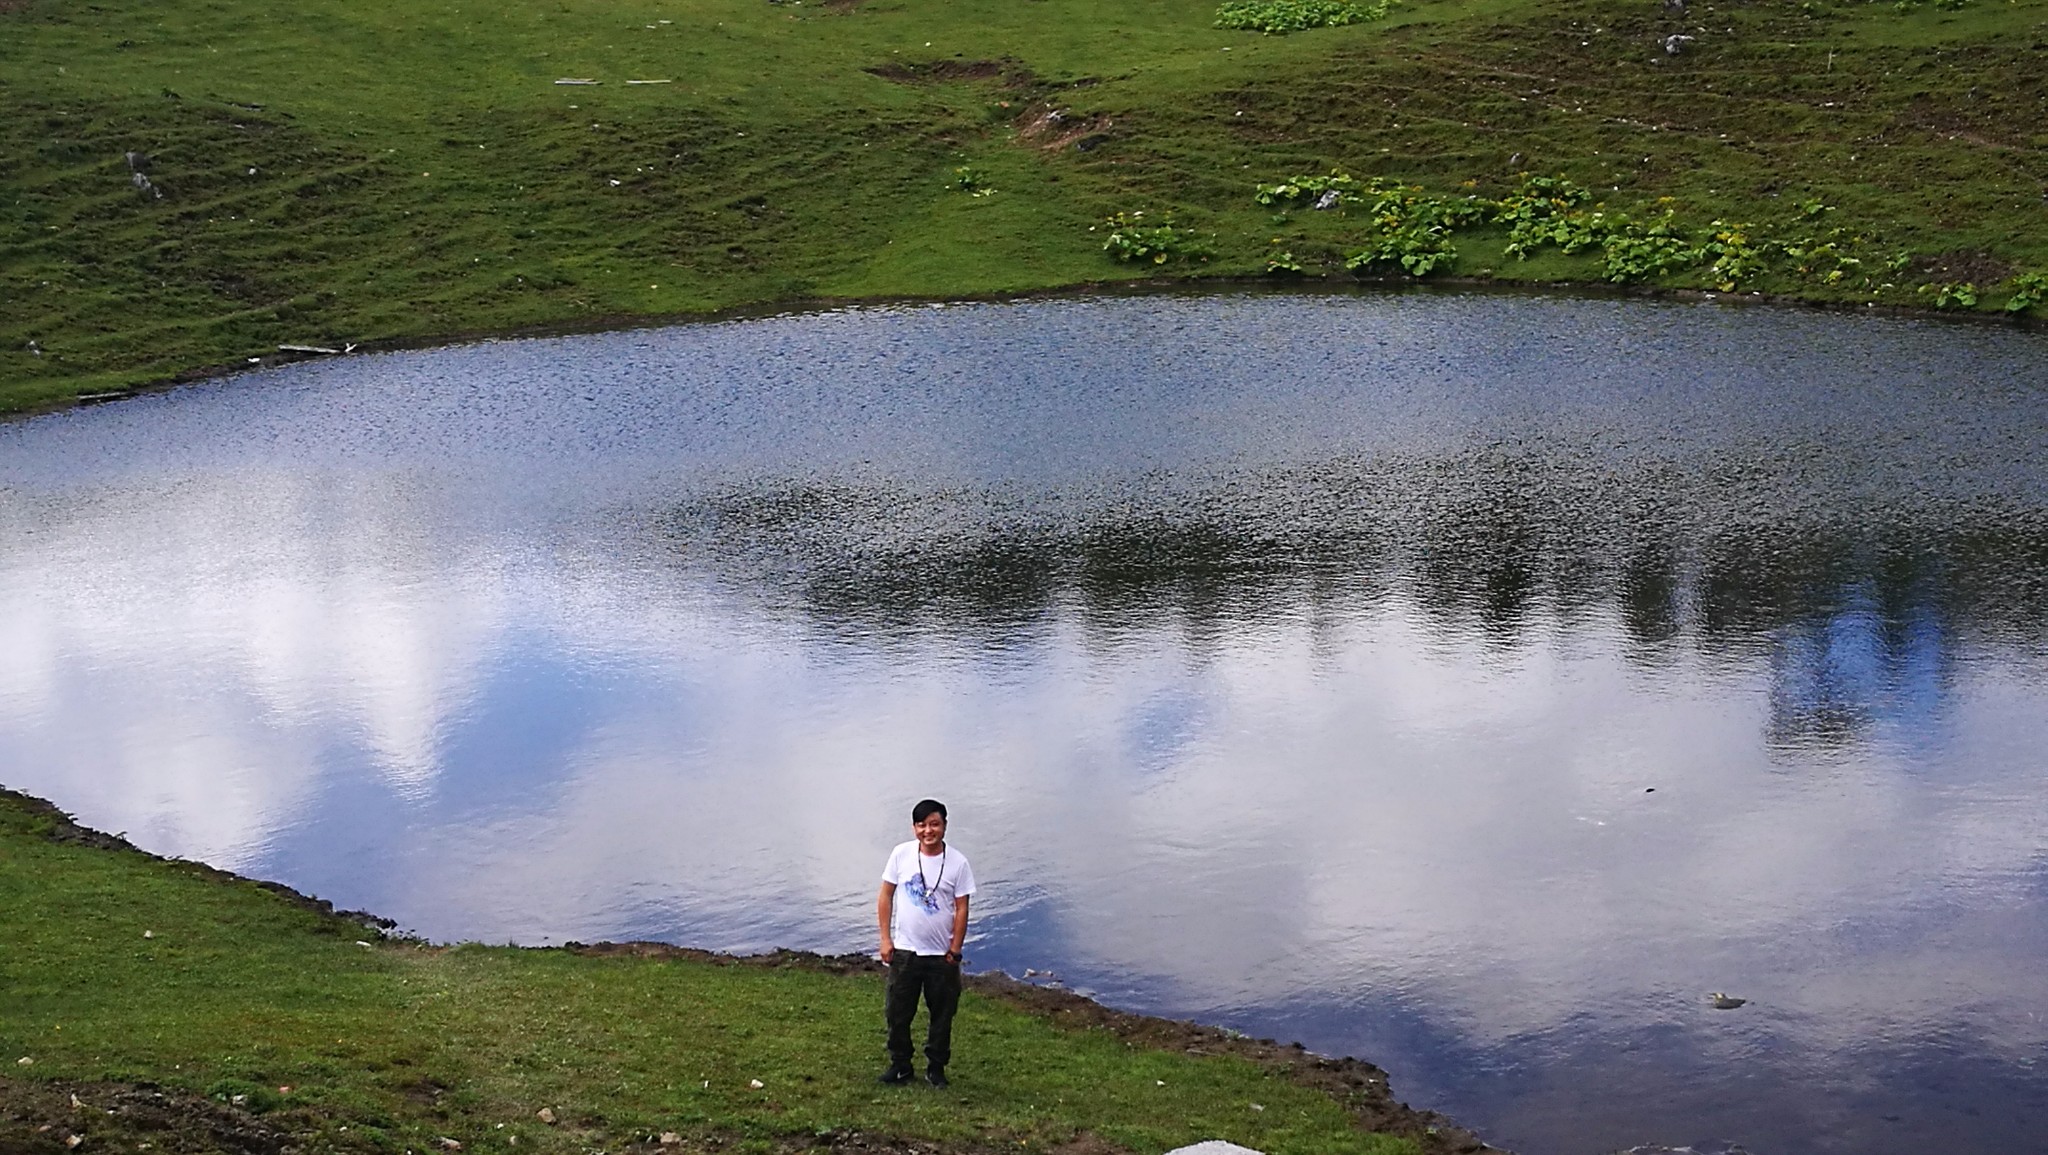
1466,683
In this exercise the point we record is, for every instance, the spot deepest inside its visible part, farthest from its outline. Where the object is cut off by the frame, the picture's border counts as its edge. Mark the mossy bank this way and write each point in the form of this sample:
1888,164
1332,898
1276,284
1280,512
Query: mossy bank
188,185
156,1005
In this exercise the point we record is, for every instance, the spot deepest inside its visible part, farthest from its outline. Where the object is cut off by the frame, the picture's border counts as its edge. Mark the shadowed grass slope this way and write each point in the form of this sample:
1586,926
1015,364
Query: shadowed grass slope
371,171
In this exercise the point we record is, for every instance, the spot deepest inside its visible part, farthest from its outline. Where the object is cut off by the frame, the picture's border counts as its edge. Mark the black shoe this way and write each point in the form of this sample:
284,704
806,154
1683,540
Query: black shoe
897,1075
936,1076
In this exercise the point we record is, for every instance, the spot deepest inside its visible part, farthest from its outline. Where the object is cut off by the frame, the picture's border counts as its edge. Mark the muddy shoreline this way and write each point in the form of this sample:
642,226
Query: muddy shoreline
36,1117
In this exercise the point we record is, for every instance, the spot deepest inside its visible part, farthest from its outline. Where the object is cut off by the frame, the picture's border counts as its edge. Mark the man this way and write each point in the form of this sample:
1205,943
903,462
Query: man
923,912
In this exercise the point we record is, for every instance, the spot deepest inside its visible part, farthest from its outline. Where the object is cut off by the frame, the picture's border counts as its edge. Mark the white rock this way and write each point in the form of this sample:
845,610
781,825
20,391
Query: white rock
545,1114
756,1084
1213,1147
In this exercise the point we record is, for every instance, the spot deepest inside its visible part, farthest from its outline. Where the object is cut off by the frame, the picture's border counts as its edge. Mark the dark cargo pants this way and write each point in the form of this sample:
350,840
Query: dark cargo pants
938,981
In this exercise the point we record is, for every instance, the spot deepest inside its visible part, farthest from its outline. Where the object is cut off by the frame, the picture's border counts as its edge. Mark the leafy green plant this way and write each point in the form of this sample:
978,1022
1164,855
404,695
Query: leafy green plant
1545,210
971,181
1279,17
1828,259
1636,249
1299,189
1952,295
2028,290
1284,262
1130,239
1419,250
1732,256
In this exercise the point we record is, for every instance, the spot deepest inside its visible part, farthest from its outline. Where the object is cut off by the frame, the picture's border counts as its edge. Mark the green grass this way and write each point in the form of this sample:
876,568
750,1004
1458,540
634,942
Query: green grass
387,1047
375,172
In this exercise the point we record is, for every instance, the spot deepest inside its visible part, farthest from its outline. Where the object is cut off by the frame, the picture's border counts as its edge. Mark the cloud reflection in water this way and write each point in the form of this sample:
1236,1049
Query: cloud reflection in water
1469,684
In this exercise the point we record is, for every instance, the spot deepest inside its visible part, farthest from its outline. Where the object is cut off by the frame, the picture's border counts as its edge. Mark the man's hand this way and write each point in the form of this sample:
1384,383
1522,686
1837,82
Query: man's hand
888,952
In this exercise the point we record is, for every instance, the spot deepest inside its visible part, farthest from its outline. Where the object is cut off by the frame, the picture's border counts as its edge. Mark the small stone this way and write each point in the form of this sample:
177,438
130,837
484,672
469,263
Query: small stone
670,1138
450,1144
756,1084
24,1061
149,934
1327,201
72,1141
545,1115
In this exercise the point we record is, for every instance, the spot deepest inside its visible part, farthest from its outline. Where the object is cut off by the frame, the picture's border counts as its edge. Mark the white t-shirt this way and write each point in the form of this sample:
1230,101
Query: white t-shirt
925,890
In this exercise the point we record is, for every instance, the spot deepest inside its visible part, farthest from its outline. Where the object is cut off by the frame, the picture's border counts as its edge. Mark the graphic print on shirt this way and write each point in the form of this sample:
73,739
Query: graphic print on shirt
926,897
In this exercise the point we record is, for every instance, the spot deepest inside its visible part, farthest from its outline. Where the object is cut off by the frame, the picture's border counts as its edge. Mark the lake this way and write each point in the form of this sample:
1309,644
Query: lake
1473,684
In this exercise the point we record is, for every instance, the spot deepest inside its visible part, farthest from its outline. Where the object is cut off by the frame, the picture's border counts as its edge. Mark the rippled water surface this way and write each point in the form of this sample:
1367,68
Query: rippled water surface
1471,684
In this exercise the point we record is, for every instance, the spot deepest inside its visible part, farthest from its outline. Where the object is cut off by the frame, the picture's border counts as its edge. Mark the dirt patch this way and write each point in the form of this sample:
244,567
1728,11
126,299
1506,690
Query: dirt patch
1010,73
1051,128
7,6
1961,267
58,1118
1361,1087
62,828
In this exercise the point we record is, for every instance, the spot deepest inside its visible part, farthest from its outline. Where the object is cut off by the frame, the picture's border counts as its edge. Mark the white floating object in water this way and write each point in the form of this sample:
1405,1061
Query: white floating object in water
1723,1002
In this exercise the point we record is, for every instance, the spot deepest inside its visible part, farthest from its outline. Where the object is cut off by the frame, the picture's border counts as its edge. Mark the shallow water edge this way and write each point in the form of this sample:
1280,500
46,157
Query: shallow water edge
1150,287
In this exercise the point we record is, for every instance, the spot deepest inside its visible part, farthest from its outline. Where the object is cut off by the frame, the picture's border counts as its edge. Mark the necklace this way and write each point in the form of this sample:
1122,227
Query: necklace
930,897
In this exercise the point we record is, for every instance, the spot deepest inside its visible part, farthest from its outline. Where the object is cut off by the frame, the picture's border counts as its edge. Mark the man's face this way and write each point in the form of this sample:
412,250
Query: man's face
931,833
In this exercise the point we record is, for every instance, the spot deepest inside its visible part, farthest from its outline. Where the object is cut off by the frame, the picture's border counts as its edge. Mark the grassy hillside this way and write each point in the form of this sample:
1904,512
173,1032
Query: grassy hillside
332,172
151,1005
